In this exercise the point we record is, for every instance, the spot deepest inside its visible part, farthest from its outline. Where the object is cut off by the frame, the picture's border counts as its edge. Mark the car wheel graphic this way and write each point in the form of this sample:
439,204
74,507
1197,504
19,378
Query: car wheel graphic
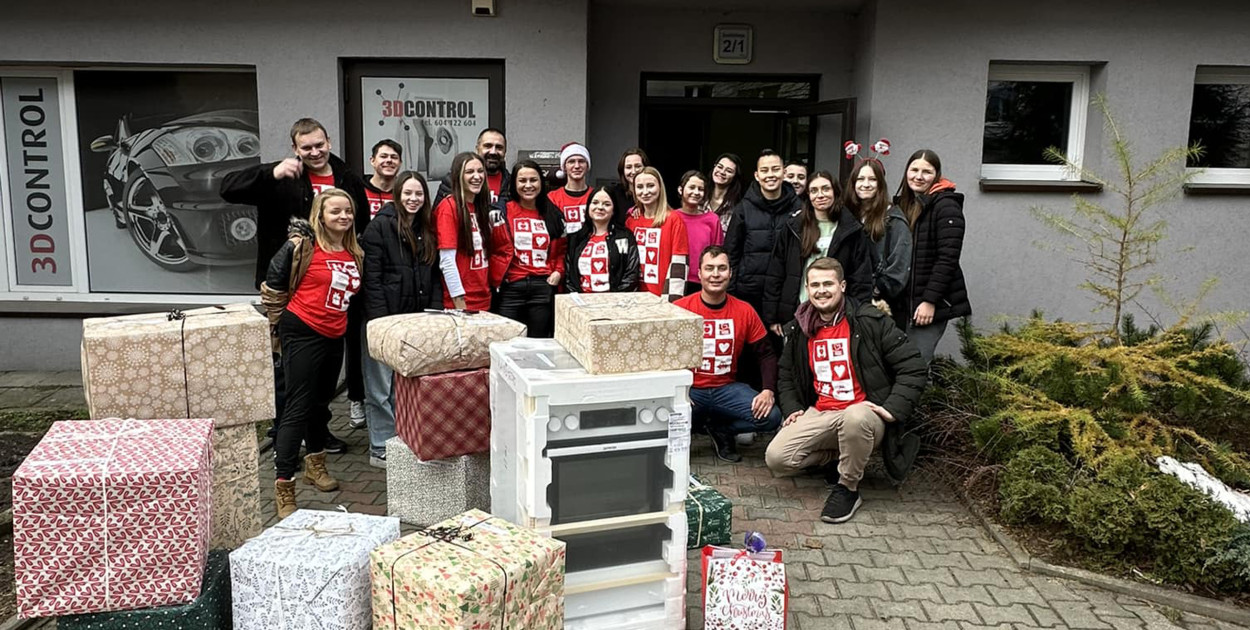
152,227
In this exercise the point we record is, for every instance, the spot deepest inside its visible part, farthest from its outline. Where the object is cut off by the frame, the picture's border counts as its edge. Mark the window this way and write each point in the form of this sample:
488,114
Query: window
1220,122
1029,108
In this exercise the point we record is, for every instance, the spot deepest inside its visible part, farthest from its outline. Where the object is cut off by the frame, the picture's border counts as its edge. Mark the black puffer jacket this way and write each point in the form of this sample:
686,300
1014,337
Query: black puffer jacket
394,280
937,241
278,200
750,240
849,245
622,259
887,366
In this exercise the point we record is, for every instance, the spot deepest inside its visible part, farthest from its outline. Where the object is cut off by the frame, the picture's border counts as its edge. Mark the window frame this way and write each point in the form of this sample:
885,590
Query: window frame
1079,77
1219,75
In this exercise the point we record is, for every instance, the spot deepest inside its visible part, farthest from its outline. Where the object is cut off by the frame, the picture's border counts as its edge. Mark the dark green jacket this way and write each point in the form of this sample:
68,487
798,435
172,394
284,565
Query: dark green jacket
887,366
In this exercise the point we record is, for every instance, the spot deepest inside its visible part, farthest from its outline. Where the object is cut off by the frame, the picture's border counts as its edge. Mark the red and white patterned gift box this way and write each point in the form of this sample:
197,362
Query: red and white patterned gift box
112,515
444,415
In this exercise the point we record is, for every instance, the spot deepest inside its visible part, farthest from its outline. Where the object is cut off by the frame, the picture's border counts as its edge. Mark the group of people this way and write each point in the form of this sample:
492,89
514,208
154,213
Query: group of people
830,296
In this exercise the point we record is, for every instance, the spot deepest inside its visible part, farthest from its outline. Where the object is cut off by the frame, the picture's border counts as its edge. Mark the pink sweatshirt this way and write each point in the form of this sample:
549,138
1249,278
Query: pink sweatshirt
701,230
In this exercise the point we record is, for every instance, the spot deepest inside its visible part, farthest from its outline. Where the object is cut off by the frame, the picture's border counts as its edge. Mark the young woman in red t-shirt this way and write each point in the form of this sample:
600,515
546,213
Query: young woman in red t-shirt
662,243
602,256
461,225
311,330
527,261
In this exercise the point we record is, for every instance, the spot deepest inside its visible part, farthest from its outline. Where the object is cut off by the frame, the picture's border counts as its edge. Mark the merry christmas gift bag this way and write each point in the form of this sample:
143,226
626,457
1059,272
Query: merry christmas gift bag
744,590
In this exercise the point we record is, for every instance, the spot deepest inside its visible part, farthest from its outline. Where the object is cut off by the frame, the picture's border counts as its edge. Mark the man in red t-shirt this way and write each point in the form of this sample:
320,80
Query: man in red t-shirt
849,380
724,405
571,200
386,159
491,145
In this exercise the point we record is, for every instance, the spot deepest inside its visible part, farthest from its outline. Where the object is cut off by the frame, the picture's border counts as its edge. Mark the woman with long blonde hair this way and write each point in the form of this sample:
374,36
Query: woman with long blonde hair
319,269
662,242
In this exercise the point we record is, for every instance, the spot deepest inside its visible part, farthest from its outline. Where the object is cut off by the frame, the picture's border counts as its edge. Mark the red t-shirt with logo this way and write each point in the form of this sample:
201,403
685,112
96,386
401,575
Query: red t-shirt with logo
656,248
830,354
377,199
320,182
572,206
523,248
726,331
495,184
323,295
593,265
473,267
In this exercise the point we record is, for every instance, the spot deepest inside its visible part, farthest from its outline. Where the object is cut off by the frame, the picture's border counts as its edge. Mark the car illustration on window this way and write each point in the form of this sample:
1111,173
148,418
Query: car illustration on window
161,184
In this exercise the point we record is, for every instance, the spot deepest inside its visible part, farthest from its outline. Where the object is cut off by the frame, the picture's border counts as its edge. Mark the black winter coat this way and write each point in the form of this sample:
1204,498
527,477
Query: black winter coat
750,240
887,365
396,282
278,200
849,245
937,241
622,259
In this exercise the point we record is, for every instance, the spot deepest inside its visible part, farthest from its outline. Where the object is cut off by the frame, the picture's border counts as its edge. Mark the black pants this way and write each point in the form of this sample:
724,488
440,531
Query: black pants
279,395
355,369
530,301
311,365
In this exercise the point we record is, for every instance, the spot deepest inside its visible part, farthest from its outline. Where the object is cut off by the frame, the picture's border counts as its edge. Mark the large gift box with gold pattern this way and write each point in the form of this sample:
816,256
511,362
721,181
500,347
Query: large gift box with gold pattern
438,341
205,363
612,333
236,488
470,571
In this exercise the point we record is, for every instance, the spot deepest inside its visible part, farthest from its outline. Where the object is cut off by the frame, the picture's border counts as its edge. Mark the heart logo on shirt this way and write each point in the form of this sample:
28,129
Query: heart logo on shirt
540,240
651,256
598,265
839,370
724,346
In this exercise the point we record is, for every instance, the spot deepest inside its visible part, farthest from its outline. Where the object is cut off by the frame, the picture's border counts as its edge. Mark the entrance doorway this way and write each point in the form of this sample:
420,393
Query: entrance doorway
686,121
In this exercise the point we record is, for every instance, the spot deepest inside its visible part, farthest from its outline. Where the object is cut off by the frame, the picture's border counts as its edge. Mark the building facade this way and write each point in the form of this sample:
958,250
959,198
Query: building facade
118,120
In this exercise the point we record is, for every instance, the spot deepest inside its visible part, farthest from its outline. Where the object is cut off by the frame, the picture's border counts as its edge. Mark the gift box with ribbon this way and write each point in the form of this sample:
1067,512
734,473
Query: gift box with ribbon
308,571
709,516
210,611
205,363
433,342
613,333
444,415
426,492
112,515
471,571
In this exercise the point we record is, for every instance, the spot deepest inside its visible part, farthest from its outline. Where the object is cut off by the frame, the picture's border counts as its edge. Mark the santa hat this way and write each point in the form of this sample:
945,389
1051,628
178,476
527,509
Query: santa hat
569,150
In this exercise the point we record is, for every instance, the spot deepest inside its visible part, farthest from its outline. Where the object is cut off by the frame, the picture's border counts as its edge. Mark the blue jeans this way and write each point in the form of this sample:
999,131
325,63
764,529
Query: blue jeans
727,409
379,399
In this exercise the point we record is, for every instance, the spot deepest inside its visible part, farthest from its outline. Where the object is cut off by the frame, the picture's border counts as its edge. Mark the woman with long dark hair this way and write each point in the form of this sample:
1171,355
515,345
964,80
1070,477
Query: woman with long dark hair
887,230
935,292
729,184
527,261
822,228
632,161
702,225
461,225
401,276
602,256
319,271
662,241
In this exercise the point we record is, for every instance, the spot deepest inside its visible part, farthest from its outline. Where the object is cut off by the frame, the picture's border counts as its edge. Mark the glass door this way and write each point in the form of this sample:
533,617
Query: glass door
814,134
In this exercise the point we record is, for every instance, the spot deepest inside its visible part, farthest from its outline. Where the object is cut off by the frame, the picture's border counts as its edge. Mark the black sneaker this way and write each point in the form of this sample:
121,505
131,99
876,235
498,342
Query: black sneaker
725,447
841,505
335,446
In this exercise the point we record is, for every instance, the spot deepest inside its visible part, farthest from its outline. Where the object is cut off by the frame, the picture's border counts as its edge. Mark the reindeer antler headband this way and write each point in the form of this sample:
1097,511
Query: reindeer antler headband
879,148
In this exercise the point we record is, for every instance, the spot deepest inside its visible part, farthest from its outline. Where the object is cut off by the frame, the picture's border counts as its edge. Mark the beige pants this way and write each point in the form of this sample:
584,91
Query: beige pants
815,437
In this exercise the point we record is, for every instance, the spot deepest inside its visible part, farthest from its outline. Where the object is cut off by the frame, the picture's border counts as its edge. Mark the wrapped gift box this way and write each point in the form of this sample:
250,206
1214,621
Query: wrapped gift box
112,515
308,571
444,415
438,341
425,492
212,363
613,333
236,486
210,611
709,516
470,571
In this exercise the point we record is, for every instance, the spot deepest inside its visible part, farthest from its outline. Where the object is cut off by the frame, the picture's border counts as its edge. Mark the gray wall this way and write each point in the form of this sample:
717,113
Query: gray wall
627,40
927,89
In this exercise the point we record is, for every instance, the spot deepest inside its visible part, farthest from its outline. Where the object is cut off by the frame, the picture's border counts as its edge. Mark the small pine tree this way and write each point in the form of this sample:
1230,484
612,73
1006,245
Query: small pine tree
1120,241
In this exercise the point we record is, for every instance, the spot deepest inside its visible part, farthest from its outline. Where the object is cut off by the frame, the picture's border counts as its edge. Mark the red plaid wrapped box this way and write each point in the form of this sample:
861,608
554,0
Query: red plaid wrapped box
112,515
444,415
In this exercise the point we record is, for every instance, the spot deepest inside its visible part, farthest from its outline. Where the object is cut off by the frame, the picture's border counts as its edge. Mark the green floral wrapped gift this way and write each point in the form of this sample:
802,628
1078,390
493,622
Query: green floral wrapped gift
211,611
709,516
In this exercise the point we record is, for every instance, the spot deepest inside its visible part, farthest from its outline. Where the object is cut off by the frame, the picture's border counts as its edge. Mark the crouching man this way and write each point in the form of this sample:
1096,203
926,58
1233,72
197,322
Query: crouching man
848,381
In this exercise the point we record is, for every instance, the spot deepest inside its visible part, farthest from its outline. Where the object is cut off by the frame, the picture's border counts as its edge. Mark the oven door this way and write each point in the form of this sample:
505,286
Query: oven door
619,552
607,480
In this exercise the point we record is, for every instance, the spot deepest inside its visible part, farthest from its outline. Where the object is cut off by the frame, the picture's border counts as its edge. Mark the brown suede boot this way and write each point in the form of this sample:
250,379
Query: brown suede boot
316,474
284,497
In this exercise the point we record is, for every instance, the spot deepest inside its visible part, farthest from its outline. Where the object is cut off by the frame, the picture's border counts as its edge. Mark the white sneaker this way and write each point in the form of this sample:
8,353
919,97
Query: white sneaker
357,418
377,461
745,439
